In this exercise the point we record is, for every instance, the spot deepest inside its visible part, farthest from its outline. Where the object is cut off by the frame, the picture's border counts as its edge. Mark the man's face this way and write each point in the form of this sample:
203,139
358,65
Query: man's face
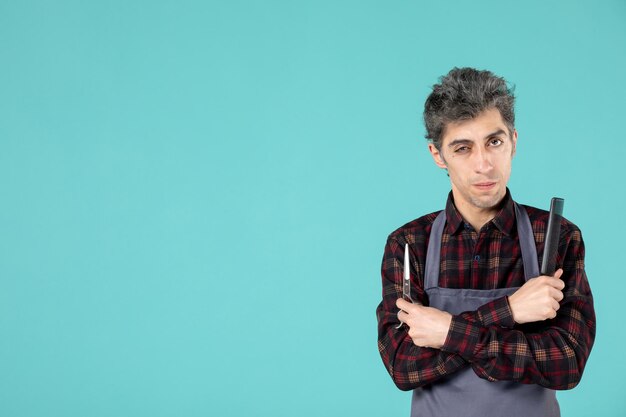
477,154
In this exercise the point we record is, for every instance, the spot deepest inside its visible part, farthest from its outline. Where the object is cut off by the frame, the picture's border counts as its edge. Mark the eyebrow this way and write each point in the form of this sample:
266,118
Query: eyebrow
469,142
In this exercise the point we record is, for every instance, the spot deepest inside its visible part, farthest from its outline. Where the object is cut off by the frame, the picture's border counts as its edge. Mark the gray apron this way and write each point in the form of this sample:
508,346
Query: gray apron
463,393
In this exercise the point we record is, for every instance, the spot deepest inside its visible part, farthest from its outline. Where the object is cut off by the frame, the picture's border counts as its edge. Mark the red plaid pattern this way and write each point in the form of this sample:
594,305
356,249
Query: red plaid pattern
551,353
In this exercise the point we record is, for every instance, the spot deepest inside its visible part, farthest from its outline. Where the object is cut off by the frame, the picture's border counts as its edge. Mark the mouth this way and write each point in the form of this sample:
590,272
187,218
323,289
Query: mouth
485,186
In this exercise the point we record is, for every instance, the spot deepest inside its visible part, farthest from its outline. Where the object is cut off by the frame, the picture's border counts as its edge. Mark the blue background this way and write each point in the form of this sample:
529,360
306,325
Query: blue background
196,195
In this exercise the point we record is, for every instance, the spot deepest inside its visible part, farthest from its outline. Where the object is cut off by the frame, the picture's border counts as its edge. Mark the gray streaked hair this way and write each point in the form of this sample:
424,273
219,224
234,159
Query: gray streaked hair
463,94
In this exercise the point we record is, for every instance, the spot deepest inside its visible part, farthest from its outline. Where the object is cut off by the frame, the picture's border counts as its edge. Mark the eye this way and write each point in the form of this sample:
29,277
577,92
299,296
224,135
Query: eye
495,142
461,149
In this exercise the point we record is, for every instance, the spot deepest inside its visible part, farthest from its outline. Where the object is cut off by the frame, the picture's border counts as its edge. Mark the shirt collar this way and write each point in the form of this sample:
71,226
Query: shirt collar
504,220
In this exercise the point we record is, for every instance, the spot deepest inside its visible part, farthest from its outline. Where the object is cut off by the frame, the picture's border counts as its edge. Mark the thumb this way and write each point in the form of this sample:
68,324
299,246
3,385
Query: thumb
558,273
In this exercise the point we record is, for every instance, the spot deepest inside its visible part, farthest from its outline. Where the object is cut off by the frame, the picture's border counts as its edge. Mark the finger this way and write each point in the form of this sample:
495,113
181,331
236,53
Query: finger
556,309
556,294
555,306
402,304
558,273
555,283
403,316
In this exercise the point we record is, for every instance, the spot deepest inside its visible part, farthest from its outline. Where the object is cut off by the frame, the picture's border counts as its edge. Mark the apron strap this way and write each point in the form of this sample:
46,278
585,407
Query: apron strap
524,233
433,254
527,243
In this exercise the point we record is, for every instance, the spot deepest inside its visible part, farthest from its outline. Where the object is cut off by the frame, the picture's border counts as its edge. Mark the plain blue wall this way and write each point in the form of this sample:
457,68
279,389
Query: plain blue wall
196,195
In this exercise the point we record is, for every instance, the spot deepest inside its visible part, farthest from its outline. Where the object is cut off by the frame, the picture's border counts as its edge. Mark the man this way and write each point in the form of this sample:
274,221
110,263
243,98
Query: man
484,334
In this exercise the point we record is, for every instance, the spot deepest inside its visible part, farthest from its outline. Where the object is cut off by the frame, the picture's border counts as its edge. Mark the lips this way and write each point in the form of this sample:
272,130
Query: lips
485,185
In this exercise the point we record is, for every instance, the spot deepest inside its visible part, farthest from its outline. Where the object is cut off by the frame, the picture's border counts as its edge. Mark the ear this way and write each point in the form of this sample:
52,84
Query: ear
514,142
437,157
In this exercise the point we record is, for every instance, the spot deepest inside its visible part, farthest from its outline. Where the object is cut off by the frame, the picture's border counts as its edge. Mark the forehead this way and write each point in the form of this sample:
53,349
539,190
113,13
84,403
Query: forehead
476,129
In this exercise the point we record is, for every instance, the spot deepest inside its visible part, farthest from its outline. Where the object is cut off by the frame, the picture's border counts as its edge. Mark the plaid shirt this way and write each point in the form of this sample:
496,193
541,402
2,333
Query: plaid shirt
550,353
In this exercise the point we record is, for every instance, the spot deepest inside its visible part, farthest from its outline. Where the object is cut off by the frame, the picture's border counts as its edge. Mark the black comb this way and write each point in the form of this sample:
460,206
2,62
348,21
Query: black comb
551,247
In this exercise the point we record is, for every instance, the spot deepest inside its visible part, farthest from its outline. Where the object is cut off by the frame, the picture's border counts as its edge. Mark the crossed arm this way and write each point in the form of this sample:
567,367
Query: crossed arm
542,334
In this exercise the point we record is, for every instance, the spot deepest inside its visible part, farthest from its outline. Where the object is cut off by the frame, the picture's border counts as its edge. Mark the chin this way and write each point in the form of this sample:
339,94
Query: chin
487,202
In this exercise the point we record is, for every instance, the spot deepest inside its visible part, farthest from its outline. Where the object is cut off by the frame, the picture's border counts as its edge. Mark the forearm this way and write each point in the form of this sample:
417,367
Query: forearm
552,354
411,366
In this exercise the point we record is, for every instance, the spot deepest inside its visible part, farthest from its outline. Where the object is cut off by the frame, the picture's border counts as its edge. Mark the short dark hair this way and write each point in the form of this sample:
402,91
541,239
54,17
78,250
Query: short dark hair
463,94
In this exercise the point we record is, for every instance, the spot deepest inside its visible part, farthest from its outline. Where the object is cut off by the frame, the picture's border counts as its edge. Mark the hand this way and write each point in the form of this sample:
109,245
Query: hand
538,299
428,327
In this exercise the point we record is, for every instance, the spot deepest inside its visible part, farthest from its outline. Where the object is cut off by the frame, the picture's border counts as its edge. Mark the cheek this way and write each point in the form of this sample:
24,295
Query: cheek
506,169
459,171
457,177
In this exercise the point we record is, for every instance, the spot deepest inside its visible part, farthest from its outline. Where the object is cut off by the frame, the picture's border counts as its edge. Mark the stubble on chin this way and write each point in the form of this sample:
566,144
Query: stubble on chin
487,202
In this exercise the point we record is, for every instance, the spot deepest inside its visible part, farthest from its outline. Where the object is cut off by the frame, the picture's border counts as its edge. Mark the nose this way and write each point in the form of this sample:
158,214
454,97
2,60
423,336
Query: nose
482,161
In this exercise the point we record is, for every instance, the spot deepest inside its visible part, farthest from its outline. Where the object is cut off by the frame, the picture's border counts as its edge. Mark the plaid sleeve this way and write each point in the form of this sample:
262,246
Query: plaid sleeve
494,313
410,366
552,353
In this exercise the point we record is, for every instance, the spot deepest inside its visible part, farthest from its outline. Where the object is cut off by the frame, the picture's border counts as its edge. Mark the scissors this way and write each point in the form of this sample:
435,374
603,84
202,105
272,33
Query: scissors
406,279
